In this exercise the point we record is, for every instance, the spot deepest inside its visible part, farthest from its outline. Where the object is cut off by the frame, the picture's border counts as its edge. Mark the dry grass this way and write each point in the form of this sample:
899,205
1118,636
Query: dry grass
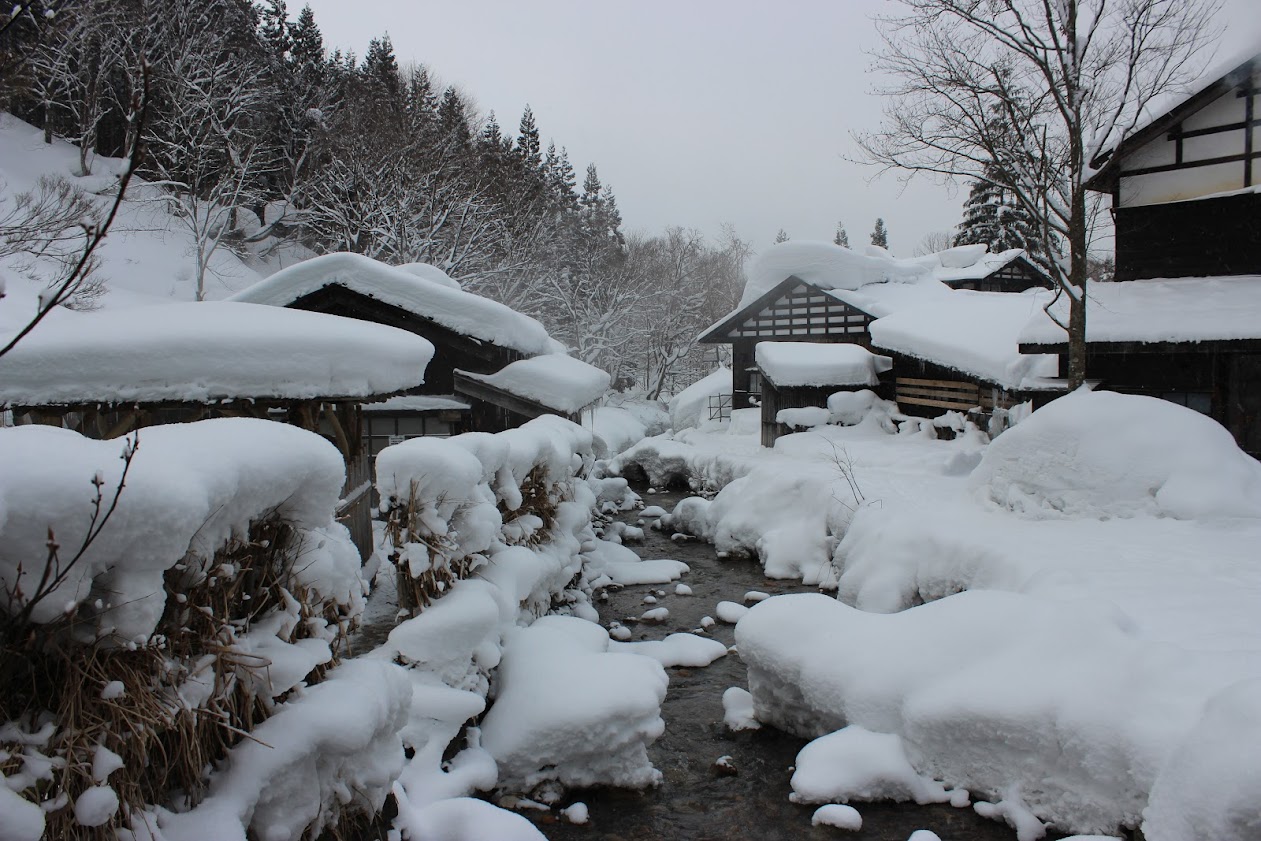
167,747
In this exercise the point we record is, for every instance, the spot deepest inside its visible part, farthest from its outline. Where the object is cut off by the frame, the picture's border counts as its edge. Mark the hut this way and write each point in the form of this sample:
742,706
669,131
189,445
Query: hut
552,384
473,336
1183,320
802,375
1006,271
108,373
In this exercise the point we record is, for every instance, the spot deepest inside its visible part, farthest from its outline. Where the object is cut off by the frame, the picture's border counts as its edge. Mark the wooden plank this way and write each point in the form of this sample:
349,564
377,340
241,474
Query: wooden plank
944,404
935,383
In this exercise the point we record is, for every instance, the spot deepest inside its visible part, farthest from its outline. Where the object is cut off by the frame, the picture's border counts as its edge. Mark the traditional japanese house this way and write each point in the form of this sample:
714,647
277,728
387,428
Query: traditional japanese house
803,375
1184,321
474,337
108,373
832,295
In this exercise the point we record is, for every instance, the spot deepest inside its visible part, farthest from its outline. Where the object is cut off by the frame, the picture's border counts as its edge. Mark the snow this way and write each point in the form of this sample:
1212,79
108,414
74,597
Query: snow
968,262
1189,309
856,764
201,352
576,813
617,427
690,407
95,806
23,820
687,650
465,313
977,333
730,612
555,380
419,403
466,819
1169,461
814,364
825,266
839,816
572,710
737,709
190,488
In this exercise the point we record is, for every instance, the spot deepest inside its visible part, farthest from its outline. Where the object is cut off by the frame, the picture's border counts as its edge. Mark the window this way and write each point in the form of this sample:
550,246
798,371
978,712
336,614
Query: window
1200,401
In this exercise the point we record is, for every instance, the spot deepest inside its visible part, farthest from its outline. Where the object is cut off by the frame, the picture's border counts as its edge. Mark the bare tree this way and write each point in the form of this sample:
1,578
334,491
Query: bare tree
933,242
207,148
1039,87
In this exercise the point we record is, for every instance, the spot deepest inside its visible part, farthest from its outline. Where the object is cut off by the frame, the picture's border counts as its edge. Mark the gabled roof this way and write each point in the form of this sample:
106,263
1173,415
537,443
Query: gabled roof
411,289
1219,81
716,333
789,364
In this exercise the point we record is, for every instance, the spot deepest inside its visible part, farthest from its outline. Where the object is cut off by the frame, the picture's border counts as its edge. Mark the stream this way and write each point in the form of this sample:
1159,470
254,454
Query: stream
694,802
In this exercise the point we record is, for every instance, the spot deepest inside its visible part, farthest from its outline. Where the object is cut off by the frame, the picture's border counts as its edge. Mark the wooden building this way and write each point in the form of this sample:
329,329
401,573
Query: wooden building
925,313
1184,322
1184,186
473,337
803,375
105,374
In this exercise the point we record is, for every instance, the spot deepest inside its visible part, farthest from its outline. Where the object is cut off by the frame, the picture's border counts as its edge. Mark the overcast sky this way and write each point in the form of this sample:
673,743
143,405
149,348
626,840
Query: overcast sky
698,113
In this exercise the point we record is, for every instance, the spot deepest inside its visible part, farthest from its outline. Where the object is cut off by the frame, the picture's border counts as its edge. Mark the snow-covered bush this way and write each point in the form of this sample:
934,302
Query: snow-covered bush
157,606
1102,454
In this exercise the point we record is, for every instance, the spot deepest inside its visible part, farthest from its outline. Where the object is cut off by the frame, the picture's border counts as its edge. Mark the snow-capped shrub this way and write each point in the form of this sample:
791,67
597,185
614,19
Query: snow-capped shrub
1102,454
158,606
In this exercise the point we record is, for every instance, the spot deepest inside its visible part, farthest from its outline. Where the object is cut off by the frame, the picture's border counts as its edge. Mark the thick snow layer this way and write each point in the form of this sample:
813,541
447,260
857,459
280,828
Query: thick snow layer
336,745
200,352
826,266
856,764
466,819
837,815
1191,309
690,407
190,488
805,417
554,380
737,710
1075,721
967,262
815,364
617,427
571,710
977,333
433,274
1101,454
455,309
1211,788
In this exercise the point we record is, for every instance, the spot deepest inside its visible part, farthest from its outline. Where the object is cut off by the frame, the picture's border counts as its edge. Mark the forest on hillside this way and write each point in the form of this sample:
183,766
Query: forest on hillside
259,132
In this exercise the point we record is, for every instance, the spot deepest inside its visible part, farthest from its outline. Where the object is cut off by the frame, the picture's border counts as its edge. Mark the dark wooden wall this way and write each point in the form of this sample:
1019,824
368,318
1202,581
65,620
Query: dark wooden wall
1198,238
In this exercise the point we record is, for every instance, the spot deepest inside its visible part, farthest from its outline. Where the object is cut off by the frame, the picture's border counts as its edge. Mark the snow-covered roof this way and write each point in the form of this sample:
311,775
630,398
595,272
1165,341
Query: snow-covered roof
201,352
825,266
972,332
556,381
410,289
419,403
968,262
815,364
1191,309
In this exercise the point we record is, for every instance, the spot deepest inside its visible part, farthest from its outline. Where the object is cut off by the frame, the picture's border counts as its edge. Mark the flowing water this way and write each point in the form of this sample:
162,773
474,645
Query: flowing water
695,802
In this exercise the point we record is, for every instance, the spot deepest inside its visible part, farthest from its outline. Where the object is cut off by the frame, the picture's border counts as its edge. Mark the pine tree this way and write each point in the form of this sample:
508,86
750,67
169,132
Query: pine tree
993,217
380,71
782,236
841,238
306,48
880,236
528,146
274,31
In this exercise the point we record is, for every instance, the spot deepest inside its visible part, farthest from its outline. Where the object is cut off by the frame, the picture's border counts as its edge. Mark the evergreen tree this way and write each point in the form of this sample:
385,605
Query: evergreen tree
528,146
380,72
993,217
306,50
274,30
841,238
782,236
880,236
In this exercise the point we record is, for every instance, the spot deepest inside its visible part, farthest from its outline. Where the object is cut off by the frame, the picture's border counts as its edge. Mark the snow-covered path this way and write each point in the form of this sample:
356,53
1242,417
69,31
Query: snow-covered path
695,801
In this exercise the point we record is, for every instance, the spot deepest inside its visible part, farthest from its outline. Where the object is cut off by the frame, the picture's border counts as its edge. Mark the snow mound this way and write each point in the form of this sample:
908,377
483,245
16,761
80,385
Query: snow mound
815,364
856,764
618,428
1101,454
433,274
690,407
199,352
455,309
570,710
1210,787
826,266
554,380
687,650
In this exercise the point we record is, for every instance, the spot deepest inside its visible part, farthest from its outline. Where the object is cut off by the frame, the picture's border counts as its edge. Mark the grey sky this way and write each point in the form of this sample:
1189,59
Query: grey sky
697,113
